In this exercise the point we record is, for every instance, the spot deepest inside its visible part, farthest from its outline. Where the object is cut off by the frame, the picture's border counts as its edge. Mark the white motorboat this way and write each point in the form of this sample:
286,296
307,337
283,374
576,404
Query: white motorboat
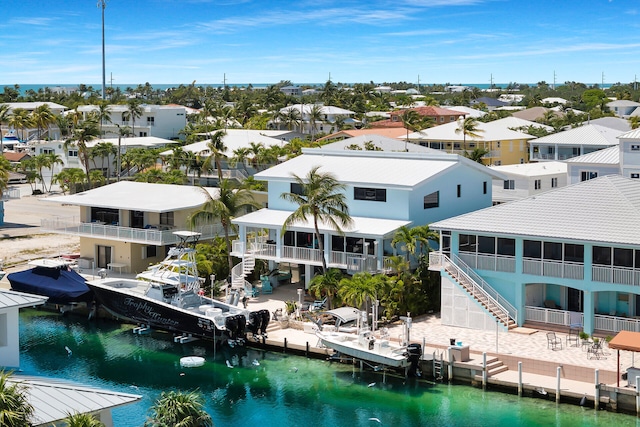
168,297
376,350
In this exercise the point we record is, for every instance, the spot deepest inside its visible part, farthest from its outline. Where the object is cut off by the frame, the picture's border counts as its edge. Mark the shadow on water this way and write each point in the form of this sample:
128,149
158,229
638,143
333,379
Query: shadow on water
249,387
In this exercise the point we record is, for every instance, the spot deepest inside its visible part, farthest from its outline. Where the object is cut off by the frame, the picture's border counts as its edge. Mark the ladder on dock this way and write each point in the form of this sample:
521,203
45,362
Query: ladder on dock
438,364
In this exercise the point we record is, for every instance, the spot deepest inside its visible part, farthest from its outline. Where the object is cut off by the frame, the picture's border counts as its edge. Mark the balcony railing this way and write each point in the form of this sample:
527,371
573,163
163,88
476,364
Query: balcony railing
602,322
489,262
114,232
615,274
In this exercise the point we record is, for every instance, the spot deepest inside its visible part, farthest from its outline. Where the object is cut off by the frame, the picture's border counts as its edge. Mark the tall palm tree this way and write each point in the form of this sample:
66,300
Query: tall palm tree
4,118
326,284
104,150
42,117
134,111
228,205
468,127
411,121
5,167
292,118
20,120
104,113
15,409
85,132
321,198
179,409
315,116
218,150
123,131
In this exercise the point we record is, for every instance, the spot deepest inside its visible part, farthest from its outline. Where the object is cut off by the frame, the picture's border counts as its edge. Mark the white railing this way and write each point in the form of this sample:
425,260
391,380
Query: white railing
302,254
358,264
549,315
614,274
114,232
11,193
615,324
566,318
489,262
567,270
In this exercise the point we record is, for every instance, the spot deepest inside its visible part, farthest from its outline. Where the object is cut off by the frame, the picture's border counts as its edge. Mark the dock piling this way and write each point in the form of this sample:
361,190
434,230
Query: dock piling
596,402
558,372
519,379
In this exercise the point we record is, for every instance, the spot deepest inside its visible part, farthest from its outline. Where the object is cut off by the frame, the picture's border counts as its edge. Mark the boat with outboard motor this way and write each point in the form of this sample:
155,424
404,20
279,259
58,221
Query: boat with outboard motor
168,297
378,351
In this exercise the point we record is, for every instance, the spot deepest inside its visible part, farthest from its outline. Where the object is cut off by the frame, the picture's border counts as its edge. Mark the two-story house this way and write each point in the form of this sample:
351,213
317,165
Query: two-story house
129,225
384,191
528,179
437,114
573,142
326,123
568,257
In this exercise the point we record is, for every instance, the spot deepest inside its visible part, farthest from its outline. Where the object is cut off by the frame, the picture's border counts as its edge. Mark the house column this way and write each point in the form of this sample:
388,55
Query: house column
377,252
520,294
242,237
279,243
588,310
308,270
327,250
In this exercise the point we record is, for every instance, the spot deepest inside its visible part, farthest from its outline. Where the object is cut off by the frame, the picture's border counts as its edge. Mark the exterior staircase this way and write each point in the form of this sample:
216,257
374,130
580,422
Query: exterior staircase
494,366
480,291
241,270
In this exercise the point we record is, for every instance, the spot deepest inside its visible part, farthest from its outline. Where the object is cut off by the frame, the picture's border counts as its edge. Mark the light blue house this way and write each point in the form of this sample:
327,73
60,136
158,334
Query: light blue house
566,257
384,191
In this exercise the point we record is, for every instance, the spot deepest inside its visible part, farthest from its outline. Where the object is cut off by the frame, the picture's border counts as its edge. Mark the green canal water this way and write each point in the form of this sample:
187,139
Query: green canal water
267,388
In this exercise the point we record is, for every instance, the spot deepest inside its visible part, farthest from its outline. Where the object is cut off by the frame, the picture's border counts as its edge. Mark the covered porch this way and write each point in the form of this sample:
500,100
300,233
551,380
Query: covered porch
364,246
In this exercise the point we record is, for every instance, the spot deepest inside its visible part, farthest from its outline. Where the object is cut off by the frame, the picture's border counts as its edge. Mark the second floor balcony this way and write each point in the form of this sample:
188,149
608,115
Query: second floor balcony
151,234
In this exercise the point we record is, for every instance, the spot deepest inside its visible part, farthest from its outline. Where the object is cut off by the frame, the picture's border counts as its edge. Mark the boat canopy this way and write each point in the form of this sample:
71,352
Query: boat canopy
61,284
344,314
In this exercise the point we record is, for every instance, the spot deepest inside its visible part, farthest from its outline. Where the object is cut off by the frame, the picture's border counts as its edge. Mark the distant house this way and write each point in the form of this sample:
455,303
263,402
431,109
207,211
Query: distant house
16,157
439,116
130,224
565,258
573,142
291,90
624,108
327,123
534,113
31,133
468,111
491,103
528,179
351,133
375,142
504,146
384,191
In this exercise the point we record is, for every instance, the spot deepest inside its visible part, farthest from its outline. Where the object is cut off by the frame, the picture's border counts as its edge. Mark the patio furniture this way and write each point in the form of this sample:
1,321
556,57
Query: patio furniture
586,343
574,338
596,351
553,342
318,304
266,285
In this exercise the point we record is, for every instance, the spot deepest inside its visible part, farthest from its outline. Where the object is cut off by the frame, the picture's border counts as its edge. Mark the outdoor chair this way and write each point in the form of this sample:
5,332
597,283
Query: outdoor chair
318,304
266,285
574,338
553,342
596,351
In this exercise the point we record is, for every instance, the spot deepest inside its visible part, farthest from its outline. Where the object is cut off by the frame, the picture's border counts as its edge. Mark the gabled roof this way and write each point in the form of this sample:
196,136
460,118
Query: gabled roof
15,157
54,400
140,196
378,168
487,132
381,142
12,299
582,135
468,111
238,138
490,102
606,156
139,141
325,109
612,122
364,226
632,134
533,113
512,122
603,210
623,103
430,111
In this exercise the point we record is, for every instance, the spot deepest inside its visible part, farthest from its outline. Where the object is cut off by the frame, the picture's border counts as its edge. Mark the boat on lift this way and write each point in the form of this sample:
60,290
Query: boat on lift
168,297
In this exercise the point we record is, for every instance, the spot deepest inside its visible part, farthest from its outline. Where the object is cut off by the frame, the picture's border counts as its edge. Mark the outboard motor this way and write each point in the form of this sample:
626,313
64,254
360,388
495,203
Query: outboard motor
415,353
255,321
241,333
265,321
231,323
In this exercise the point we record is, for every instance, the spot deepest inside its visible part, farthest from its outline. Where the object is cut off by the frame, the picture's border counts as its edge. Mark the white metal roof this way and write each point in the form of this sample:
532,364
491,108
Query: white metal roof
140,141
383,168
382,142
486,132
606,156
632,134
141,196
612,122
512,122
605,209
12,299
237,138
583,135
361,226
325,109
468,111
54,400
532,169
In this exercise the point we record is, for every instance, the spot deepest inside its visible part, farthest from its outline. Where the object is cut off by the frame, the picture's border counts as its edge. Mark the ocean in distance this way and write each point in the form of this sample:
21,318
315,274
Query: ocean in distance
268,388
123,87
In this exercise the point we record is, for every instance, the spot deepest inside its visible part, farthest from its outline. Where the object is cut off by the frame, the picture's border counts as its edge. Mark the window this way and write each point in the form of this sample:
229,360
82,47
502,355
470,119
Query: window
635,147
537,184
72,153
151,121
623,257
497,163
166,218
432,200
452,119
635,175
506,246
587,175
459,190
509,184
553,251
486,245
372,194
554,182
48,151
441,119
484,187
532,249
456,145
296,188
601,255
149,251
467,243
573,253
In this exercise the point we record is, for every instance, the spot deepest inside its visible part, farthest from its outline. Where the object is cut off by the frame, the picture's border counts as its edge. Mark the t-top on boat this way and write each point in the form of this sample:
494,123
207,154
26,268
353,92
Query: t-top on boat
168,297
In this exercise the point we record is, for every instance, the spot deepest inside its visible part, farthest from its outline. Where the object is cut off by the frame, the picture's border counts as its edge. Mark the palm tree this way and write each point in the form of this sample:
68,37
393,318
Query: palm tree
15,409
104,150
179,409
82,420
634,122
315,116
292,118
134,111
42,117
5,167
4,118
20,120
359,289
123,131
228,205
82,134
68,178
326,284
218,149
476,154
411,121
321,197
468,127
104,113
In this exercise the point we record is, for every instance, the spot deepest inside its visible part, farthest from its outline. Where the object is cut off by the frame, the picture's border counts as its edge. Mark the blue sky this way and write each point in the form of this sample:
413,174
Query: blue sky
266,41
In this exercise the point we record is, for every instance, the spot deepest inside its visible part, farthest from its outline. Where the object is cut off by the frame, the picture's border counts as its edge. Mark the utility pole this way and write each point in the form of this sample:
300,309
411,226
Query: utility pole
102,4
554,79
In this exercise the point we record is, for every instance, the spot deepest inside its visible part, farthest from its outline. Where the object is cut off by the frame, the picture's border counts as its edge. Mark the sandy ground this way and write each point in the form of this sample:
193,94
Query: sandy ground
19,250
